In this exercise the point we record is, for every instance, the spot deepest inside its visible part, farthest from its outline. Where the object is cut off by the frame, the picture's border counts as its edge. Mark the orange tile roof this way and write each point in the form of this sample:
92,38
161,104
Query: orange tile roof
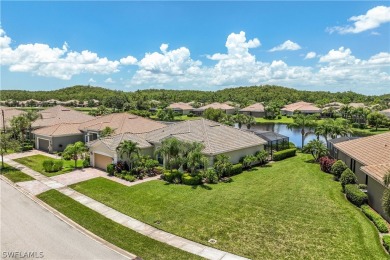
301,106
122,123
215,105
368,150
258,107
59,130
377,171
386,112
60,114
9,113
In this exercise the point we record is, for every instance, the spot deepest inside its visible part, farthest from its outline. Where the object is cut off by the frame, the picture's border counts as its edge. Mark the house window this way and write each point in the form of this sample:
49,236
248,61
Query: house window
366,179
353,165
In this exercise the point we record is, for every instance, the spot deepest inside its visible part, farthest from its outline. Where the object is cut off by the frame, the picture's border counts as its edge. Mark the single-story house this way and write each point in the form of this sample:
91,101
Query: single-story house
55,138
331,142
303,107
256,110
9,113
225,107
368,158
356,105
120,123
386,112
30,103
217,139
181,108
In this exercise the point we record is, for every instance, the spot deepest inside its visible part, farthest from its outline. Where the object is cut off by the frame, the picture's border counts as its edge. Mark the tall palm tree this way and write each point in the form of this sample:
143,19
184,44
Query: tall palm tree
340,127
75,150
195,157
31,116
171,149
129,149
250,121
303,121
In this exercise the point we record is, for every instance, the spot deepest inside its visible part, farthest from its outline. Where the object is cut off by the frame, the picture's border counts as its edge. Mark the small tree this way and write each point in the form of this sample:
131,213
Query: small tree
107,131
129,149
6,142
262,157
19,126
316,148
75,151
376,119
338,168
222,165
347,177
248,161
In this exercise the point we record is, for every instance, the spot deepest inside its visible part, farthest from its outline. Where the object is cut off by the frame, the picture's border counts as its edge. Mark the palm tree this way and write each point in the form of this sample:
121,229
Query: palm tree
195,156
341,127
346,111
222,165
31,116
129,149
316,148
240,119
250,120
75,150
324,129
303,121
172,150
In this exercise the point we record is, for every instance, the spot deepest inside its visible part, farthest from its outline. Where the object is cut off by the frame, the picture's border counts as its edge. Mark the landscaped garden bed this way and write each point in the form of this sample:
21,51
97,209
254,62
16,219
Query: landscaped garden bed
36,162
288,210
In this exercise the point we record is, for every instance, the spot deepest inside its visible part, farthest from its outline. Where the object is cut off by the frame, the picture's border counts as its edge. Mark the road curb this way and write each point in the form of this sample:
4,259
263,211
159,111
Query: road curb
70,222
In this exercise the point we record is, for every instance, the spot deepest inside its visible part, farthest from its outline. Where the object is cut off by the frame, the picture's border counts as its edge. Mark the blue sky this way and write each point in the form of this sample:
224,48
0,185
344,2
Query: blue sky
335,46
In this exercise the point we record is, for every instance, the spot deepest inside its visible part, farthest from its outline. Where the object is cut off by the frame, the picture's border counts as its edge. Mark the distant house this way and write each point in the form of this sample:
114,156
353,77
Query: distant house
369,159
53,102
30,103
386,112
9,113
224,107
217,139
256,110
181,108
303,107
356,105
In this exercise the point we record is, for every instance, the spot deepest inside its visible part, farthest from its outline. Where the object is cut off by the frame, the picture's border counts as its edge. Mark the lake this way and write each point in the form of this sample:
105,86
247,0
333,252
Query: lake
294,134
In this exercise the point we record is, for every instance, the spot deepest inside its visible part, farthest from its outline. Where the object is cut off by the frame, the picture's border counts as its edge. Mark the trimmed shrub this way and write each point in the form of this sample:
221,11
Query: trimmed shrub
27,147
338,168
52,165
355,125
172,177
211,176
86,163
279,117
378,221
66,156
326,163
191,180
291,145
386,242
129,178
283,154
110,169
347,177
158,170
236,169
362,186
354,195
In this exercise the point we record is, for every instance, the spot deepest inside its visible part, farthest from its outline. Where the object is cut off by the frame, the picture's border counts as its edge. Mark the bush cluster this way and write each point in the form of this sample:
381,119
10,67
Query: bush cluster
52,165
347,177
172,177
110,169
378,221
386,242
354,195
338,168
236,169
281,155
326,164
191,180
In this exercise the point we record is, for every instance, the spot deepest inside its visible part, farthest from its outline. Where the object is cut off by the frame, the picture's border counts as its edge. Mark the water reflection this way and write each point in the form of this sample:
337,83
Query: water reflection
293,134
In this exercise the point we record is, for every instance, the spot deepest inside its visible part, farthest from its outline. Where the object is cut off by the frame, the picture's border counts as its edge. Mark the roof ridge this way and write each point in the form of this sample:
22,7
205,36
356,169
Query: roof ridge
206,135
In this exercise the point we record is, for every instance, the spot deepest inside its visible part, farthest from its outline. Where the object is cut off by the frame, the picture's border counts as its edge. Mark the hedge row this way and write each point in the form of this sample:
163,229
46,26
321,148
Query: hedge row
386,242
191,180
236,169
281,155
355,195
174,176
378,221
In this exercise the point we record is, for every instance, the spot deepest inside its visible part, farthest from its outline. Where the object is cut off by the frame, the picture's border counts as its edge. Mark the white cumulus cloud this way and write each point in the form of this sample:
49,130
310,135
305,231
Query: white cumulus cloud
129,60
374,18
286,46
109,80
310,55
91,80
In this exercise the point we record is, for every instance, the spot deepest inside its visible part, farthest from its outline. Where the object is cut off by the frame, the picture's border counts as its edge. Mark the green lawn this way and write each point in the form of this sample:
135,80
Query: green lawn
283,120
35,162
369,131
288,210
114,233
14,174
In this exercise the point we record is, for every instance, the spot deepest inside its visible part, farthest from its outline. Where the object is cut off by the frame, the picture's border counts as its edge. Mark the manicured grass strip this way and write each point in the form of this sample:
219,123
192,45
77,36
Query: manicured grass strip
125,238
386,242
14,174
35,162
289,209
283,120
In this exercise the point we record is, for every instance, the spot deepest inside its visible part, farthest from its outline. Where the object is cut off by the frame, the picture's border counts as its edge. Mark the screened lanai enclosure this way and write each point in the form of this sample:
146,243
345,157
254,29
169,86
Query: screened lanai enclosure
275,141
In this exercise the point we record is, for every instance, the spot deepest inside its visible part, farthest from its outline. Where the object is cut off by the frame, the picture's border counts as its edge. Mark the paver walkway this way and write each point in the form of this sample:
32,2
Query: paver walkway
43,183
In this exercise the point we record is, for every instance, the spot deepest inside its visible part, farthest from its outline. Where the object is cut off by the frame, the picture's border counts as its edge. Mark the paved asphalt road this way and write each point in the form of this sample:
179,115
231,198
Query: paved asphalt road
26,226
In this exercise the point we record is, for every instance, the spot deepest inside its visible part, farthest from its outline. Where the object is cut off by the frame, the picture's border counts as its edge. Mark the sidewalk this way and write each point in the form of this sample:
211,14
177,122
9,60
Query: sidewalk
59,182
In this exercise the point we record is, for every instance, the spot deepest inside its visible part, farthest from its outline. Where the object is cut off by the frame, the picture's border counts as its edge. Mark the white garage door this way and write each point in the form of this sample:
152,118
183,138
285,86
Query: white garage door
101,161
43,144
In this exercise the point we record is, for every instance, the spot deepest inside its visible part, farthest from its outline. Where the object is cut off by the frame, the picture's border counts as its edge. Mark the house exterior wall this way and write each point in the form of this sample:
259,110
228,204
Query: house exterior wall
59,143
230,111
375,193
361,176
235,156
100,148
254,114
